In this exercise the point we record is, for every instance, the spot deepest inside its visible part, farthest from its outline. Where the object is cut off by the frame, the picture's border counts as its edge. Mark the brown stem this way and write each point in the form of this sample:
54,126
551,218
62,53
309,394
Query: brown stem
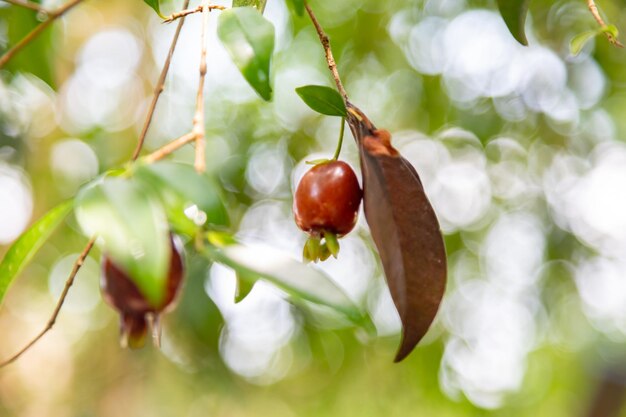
198,118
170,147
187,12
591,4
27,5
70,280
332,66
160,86
52,16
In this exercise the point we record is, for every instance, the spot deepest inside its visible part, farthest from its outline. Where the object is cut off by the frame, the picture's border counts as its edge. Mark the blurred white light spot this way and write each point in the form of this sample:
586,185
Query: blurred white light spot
514,251
17,203
602,287
461,195
492,333
258,329
73,162
110,57
266,169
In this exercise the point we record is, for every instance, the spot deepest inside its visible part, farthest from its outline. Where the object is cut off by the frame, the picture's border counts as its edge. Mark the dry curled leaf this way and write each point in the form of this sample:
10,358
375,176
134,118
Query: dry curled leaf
404,228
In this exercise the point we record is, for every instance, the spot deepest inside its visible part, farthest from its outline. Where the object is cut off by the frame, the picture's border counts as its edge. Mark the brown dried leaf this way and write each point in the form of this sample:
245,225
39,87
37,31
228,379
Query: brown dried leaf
404,228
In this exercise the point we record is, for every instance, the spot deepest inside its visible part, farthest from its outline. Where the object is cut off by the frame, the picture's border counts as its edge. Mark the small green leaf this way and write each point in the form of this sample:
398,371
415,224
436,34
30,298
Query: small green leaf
180,186
579,41
245,282
133,228
286,273
298,5
514,14
24,248
249,39
155,6
324,100
257,4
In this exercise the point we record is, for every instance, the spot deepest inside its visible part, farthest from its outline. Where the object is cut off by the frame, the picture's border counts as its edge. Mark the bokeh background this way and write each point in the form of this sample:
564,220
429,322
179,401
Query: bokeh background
520,150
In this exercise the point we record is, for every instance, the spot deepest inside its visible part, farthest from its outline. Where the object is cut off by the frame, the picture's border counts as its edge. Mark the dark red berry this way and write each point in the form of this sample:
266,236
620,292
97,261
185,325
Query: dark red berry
327,199
119,291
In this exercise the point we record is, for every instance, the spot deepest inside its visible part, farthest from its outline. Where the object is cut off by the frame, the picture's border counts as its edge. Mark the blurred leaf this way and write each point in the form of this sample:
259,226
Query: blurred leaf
286,273
23,249
181,186
514,14
324,100
404,228
249,39
155,6
257,4
298,5
38,57
245,282
134,229
579,41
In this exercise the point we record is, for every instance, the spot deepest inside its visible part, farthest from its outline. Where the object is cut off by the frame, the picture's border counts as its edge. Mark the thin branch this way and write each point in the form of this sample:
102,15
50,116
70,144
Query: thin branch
52,16
170,147
187,12
27,5
160,86
591,4
332,66
70,280
198,118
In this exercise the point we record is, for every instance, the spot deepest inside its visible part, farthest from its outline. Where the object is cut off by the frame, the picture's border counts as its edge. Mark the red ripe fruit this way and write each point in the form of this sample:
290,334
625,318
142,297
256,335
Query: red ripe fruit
327,199
119,291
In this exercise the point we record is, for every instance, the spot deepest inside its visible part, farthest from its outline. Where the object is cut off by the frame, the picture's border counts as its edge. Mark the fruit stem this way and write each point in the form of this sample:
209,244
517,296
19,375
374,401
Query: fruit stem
340,142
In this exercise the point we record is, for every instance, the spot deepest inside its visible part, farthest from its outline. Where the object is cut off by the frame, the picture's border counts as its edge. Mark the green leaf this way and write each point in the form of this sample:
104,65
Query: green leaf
324,100
133,228
155,6
298,5
257,4
180,186
24,248
286,273
249,39
514,14
245,282
579,41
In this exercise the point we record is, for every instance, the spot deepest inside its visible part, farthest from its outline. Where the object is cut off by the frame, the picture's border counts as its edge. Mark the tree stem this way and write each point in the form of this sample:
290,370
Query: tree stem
160,86
332,65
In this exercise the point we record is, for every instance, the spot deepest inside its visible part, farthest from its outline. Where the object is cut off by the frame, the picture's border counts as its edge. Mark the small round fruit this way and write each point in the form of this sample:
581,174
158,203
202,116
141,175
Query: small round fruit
327,199
119,291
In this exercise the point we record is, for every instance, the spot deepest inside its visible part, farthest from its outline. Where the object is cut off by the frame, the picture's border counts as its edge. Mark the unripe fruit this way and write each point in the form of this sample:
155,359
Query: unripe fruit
327,199
119,291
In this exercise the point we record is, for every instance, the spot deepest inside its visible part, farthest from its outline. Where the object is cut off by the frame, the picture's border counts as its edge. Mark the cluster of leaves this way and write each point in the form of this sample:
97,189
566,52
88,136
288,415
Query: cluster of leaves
133,210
